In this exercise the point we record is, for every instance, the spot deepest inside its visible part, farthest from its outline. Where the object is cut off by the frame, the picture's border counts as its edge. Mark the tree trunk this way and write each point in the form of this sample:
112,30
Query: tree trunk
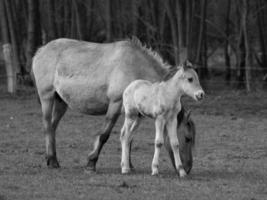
73,30
34,31
181,36
51,28
247,45
108,21
201,49
173,30
262,60
241,59
226,45
135,6
15,54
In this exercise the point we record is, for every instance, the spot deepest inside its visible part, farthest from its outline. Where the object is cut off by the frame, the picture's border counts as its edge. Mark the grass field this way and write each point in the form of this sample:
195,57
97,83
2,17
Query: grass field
230,159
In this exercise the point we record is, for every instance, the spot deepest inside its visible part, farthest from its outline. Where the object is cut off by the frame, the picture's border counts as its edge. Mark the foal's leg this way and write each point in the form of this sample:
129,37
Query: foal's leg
159,125
112,115
172,128
130,155
129,126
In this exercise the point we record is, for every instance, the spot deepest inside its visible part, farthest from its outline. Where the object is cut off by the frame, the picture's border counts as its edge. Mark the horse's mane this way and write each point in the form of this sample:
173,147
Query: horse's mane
150,52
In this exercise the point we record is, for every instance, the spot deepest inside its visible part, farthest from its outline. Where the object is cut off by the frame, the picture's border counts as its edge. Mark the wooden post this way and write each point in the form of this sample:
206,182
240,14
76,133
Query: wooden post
10,69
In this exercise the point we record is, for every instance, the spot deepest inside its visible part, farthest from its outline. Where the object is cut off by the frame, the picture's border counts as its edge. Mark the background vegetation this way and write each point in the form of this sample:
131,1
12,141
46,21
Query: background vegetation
229,35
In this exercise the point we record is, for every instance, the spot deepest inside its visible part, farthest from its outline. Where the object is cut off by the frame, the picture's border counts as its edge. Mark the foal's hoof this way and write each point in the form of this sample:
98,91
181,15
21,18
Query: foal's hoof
182,173
125,171
155,173
52,163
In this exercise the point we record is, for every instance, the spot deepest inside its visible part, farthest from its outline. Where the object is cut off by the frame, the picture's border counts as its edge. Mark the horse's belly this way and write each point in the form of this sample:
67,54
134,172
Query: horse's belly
86,97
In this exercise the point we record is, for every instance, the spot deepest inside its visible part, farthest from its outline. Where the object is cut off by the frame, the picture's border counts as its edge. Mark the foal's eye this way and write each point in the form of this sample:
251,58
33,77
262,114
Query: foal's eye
190,80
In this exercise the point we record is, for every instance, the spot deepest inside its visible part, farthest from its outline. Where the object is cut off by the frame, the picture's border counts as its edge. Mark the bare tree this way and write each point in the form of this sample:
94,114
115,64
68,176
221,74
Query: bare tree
262,60
108,21
244,20
34,31
174,34
13,38
227,45
201,54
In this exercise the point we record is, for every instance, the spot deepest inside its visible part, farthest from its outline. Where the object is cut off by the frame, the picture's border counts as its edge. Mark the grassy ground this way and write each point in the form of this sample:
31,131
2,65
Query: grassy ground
230,159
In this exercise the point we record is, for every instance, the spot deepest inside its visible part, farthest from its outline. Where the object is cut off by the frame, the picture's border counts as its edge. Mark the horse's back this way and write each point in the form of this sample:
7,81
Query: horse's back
45,62
71,60
90,75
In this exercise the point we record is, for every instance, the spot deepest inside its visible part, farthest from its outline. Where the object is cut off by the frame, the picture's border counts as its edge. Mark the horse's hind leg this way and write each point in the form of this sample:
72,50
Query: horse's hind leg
59,109
53,109
47,107
112,115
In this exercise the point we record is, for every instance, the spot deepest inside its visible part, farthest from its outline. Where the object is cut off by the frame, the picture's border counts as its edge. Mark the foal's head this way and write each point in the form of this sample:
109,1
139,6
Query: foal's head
186,135
189,81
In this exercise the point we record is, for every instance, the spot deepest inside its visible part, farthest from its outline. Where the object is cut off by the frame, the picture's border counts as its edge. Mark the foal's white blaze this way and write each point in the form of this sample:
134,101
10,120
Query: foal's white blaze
160,101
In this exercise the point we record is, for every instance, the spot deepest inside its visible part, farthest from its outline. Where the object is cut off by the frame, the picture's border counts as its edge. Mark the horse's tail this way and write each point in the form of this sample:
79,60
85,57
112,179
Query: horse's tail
34,84
33,77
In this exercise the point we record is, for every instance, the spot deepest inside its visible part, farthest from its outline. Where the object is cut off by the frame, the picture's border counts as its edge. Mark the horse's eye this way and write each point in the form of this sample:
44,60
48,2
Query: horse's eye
188,140
190,80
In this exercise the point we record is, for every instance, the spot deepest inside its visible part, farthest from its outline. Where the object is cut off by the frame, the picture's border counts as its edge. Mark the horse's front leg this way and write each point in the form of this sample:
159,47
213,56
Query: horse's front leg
159,126
172,129
103,135
129,126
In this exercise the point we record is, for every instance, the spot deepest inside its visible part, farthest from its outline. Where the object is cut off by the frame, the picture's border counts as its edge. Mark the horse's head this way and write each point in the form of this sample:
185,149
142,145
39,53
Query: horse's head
186,136
190,82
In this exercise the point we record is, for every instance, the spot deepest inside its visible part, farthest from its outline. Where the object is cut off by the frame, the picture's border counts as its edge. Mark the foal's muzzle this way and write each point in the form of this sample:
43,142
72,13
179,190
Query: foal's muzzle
199,95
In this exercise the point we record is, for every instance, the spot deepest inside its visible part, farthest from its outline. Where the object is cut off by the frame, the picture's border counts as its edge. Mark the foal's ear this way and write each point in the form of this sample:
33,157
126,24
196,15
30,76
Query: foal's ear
180,67
187,64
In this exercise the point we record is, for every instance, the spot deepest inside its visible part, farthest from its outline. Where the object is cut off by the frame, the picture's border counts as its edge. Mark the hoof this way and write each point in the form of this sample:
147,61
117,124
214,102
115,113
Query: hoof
89,171
52,163
182,173
125,171
132,167
155,173
91,166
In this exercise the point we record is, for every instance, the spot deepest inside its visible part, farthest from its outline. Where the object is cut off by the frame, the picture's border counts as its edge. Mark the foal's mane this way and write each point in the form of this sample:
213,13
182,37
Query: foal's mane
150,52
173,70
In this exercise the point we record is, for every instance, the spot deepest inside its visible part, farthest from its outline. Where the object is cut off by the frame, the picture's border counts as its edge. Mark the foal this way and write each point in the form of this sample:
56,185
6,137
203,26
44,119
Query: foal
160,101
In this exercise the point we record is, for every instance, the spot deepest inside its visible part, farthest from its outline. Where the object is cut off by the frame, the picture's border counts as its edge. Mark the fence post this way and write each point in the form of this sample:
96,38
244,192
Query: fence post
10,69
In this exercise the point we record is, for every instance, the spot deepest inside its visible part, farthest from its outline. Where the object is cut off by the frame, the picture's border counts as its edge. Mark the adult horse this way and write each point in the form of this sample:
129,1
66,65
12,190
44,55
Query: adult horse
90,78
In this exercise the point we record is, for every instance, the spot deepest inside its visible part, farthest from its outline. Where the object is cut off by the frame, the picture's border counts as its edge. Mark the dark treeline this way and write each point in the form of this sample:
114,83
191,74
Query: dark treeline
178,29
